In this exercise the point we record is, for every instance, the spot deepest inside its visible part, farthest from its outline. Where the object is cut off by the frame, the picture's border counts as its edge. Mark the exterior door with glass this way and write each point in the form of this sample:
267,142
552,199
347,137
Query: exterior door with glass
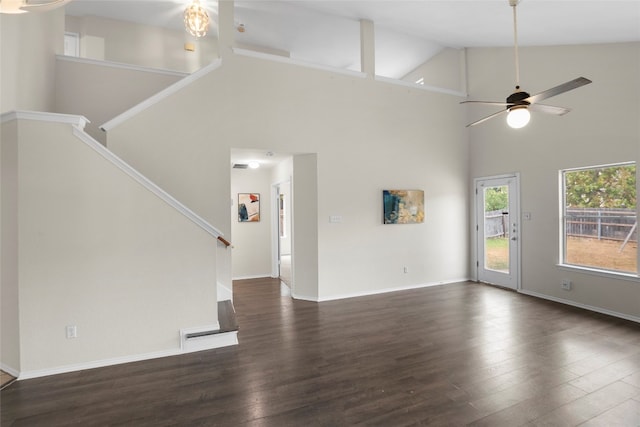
498,233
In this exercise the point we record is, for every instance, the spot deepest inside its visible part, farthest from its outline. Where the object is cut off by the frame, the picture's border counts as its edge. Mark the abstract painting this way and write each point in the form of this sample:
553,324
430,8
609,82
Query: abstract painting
248,207
403,206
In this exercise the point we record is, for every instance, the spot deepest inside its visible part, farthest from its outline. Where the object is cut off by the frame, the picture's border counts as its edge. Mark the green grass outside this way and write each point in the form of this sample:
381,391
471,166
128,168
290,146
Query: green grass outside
497,253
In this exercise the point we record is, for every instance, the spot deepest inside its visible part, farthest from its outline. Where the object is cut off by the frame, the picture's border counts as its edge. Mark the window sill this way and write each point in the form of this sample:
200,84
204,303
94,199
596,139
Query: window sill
603,273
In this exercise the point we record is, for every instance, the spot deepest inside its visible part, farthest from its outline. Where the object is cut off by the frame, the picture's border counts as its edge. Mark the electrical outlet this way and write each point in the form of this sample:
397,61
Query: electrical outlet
566,284
72,331
405,270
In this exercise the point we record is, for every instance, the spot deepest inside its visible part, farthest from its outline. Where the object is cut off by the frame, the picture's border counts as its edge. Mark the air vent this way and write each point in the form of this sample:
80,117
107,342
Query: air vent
240,166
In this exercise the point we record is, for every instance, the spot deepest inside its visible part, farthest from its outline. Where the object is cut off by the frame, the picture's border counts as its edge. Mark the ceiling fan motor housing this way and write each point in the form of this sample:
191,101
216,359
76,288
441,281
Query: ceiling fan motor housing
518,98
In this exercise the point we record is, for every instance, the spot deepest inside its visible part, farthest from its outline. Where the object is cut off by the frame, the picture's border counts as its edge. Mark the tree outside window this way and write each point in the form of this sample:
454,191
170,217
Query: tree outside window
600,218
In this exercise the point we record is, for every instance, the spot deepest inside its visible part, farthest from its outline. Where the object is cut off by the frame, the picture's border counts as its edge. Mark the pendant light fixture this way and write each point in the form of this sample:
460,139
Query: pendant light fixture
196,19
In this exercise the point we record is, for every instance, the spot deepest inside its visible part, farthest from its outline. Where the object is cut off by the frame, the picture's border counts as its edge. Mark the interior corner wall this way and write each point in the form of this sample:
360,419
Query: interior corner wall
599,130
367,135
251,240
29,43
9,295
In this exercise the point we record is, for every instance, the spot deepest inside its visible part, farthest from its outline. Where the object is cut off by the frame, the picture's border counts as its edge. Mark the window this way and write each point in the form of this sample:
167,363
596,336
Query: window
600,223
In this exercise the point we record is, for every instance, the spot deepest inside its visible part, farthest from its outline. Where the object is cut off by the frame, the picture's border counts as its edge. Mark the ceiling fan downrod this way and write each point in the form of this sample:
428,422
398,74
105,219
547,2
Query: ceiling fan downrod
513,4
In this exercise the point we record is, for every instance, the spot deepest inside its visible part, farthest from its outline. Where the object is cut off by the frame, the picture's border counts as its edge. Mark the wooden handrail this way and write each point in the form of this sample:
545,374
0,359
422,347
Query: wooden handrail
224,241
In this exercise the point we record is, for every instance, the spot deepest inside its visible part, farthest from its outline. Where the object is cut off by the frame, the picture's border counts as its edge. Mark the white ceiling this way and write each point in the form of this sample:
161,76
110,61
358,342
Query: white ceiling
407,32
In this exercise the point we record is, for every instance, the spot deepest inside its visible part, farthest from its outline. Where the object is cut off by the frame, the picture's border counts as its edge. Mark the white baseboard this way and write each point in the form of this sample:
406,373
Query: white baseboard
222,340
210,342
256,276
580,305
387,290
9,370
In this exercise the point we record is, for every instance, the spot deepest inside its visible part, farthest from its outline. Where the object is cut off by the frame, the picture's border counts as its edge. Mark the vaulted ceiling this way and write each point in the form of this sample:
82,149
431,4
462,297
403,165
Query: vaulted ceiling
407,32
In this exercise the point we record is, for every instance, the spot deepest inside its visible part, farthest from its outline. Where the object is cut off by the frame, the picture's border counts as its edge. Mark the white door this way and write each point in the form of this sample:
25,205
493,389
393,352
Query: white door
498,230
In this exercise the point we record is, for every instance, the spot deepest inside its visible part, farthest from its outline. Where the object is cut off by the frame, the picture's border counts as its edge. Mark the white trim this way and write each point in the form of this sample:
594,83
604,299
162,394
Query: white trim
224,293
190,344
96,364
382,291
254,276
286,60
474,235
72,119
275,238
120,65
609,274
9,370
223,340
580,305
165,93
420,86
285,290
145,182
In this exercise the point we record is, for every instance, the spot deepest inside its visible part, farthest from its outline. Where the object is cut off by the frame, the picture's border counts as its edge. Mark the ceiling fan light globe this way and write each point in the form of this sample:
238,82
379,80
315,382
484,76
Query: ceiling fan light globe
518,117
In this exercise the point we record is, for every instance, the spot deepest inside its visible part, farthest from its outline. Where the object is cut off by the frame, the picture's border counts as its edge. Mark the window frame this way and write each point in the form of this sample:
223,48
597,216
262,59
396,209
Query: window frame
599,271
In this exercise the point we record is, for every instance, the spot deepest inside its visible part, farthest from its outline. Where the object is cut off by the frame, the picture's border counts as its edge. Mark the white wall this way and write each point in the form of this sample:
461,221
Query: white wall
602,128
100,91
9,294
28,45
144,45
305,245
251,240
446,70
99,251
366,135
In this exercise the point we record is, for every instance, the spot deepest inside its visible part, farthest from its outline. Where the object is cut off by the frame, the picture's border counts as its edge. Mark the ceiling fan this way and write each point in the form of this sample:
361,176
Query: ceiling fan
520,102
22,6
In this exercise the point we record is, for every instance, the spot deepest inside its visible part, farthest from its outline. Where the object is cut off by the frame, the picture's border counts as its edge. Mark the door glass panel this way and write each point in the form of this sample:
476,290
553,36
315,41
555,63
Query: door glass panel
496,228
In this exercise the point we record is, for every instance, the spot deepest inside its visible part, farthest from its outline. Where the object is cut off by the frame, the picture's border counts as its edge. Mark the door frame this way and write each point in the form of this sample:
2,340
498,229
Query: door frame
476,227
275,225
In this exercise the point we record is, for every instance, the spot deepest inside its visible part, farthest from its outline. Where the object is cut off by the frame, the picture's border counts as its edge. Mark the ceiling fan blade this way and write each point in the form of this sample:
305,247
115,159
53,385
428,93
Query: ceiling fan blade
477,122
502,104
43,7
565,87
549,109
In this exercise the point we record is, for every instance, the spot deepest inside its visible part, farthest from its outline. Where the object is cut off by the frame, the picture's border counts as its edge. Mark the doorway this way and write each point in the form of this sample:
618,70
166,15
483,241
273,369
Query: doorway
498,230
283,219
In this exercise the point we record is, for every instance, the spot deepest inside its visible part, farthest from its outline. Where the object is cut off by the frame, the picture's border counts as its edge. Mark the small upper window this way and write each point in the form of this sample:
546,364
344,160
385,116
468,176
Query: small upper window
600,222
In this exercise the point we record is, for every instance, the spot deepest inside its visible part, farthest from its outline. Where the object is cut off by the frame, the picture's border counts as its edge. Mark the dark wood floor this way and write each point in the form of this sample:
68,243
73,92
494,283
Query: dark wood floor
448,355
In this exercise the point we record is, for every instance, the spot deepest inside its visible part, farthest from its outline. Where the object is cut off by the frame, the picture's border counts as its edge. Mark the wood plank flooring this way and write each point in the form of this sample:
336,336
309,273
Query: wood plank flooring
458,354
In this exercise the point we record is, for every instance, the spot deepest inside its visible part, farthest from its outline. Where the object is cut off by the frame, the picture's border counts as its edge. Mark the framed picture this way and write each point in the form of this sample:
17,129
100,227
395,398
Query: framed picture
403,206
248,207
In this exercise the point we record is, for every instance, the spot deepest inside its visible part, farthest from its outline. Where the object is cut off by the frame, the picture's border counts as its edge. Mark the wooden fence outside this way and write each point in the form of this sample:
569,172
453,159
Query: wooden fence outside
611,224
